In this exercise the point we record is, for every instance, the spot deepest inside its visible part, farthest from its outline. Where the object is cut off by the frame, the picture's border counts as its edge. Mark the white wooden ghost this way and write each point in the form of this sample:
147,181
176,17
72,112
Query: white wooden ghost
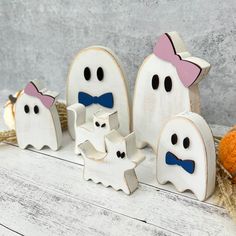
96,80
95,131
36,118
186,155
114,168
166,84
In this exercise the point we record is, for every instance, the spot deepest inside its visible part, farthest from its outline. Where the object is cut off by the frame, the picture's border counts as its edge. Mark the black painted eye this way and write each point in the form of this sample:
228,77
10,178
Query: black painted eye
36,109
26,109
87,73
100,73
186,143
118,154
122,155
155,82
103,125
168,84
97,124
174,139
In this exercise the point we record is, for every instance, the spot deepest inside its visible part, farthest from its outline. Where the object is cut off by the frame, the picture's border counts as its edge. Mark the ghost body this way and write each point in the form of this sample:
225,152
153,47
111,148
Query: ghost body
93,131
186,155
160,92
37,125
96,80
114,168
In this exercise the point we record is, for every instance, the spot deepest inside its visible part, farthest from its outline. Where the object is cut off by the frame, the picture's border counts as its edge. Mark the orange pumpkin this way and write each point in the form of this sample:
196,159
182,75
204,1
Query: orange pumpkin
227,153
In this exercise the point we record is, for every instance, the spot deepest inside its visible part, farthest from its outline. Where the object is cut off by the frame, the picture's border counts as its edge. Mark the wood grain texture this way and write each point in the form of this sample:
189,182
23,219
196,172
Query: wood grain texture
32,172
36,210
6,231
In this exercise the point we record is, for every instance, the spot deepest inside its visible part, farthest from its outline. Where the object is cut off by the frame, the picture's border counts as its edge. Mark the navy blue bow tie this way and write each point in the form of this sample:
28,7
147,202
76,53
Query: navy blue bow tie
105,100
187,165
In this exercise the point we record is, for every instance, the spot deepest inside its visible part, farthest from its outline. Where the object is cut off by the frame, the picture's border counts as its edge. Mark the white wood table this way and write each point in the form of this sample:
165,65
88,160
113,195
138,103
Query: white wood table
43,193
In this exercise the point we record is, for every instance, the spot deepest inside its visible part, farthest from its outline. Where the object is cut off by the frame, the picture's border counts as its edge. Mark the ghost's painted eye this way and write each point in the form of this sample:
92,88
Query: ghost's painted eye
155,82
168,84
97,124
174,139
100,73
120,154
103,125
87,73
186,143
36,109
26,109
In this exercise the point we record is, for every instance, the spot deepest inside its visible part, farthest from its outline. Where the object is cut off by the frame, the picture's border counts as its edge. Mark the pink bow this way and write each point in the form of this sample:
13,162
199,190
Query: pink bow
33,91
188,71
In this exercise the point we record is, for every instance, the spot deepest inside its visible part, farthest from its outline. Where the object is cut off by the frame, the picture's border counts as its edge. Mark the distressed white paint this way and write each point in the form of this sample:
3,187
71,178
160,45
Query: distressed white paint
116,167
47,195
94,131
152,108
201,150
41,129
114,81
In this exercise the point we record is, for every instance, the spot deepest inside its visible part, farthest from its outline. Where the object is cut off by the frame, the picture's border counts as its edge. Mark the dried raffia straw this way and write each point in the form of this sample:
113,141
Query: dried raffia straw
225,194
10,135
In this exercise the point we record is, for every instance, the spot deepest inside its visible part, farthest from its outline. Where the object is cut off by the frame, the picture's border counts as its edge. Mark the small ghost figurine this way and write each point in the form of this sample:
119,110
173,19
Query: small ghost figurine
186,155
166,84
114,168
36,118
103,123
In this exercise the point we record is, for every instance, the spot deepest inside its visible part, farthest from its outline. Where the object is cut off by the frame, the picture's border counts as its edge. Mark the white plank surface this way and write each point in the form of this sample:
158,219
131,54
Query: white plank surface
31,182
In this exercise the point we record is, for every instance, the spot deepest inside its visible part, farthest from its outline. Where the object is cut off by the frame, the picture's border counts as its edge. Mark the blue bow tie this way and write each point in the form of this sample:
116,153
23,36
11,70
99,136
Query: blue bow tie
187,165
105,100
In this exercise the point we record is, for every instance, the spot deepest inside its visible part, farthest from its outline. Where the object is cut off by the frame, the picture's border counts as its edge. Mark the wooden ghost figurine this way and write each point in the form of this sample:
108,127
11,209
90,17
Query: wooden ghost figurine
166,84
95,131
114,168
186,155
36,118
97,81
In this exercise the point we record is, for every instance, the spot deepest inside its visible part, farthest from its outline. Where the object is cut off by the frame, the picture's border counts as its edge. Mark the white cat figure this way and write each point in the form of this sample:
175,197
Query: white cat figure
36,118
114,168
186,155
93,131
166,84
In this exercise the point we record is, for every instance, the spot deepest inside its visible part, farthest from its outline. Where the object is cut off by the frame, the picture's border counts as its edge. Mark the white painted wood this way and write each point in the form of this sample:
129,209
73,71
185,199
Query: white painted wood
153,103
164,209
36,118
34,210
115,167
94,131
114,81
187,139
6,231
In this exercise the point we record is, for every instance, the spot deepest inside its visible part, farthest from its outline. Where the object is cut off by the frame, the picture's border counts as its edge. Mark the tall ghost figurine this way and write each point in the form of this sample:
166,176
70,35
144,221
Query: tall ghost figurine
97,81
186,155
166,84
36,118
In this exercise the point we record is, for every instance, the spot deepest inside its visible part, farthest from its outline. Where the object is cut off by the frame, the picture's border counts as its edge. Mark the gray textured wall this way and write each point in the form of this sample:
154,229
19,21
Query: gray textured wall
38,39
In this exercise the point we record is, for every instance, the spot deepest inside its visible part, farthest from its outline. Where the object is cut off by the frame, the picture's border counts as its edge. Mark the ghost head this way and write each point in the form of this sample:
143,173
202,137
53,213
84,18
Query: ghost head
166,85
186,155
37,119
97,81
